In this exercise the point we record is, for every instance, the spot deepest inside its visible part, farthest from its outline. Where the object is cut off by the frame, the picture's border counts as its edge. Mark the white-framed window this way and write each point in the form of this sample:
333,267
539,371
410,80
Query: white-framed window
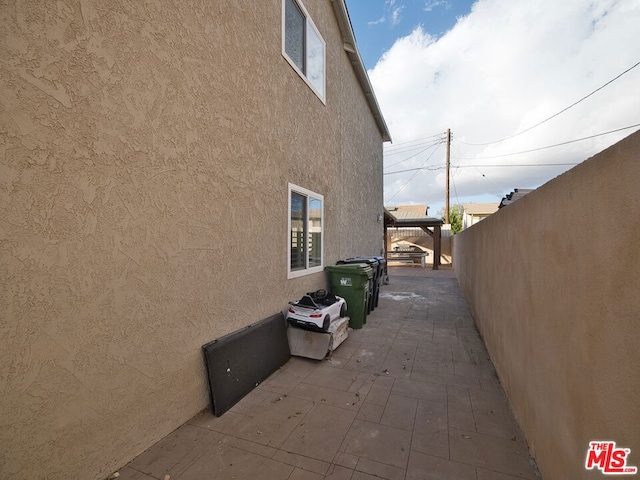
305,231
303,46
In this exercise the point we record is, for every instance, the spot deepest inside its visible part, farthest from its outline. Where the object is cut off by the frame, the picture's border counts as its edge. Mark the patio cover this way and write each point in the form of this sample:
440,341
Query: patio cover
424,223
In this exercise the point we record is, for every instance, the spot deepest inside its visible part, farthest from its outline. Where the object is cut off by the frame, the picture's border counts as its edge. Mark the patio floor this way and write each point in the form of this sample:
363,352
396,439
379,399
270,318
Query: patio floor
412,395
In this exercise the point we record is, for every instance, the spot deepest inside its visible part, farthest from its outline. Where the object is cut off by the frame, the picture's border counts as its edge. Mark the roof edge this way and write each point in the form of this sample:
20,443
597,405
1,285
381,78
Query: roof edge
350,47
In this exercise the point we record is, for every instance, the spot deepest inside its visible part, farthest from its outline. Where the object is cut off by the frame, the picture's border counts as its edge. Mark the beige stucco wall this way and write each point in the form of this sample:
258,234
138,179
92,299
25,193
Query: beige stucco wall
145,154
553,282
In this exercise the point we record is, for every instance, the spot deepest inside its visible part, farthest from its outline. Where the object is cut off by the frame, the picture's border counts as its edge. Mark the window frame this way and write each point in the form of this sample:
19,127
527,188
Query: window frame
308,194
309,26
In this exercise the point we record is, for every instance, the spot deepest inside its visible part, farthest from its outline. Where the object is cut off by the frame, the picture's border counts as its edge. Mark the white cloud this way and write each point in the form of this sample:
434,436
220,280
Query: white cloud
431,4
377,22
396,15
504,67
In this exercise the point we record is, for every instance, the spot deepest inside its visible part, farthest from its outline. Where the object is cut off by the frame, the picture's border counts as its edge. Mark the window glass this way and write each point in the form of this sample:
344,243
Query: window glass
298,231
315,232
303,46
294,33
315,60
305,231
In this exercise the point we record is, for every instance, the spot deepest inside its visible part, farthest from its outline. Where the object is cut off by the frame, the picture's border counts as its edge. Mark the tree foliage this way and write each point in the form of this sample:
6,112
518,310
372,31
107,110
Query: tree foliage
455,218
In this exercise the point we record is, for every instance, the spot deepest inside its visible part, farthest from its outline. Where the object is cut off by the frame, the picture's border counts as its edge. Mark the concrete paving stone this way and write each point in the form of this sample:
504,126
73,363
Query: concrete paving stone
460,410
334,378
346,460
321,432
398,363
328,396
362,384
370,412
431,431
380,470
311,464
380,390
363,476
470,353
289,375
299,474
493,415
175,452
388,445
336,472
490,452
368,359
427,391
445,379
248,446
484,474
429,467
224,424
128,473
225,461
272,423
477,371
490,384
438,368
340,356
257,396
400,412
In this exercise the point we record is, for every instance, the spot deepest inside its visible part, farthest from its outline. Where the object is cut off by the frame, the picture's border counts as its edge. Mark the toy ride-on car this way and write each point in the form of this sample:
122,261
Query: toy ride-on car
316,310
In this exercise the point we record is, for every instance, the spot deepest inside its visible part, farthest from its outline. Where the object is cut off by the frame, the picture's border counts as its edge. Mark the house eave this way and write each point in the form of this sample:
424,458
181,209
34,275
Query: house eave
349,46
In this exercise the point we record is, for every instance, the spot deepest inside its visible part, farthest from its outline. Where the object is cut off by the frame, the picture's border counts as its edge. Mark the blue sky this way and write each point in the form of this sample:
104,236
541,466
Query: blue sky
379,23
496,72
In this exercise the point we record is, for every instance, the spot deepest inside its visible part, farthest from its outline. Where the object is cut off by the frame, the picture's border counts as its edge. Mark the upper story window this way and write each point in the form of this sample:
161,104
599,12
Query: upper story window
303,46
306,211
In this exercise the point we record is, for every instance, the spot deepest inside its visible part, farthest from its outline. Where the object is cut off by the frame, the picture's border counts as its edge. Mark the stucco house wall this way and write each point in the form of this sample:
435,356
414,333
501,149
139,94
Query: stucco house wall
553,283
145,154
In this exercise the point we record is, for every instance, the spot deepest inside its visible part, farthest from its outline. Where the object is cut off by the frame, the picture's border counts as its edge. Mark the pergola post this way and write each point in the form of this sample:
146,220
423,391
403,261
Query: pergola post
436,246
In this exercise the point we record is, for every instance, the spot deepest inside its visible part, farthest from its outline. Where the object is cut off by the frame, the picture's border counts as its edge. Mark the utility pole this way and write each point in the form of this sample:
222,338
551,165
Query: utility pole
446,206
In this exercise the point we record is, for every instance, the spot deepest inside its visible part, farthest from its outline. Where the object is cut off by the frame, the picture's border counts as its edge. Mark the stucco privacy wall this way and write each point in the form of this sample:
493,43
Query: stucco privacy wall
145,154
553,282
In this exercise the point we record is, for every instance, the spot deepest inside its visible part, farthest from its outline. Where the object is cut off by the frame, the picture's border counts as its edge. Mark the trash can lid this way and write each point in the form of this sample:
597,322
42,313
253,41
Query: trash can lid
360,268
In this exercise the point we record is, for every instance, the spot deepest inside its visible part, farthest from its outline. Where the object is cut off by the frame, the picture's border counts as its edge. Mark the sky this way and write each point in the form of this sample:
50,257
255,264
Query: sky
499,74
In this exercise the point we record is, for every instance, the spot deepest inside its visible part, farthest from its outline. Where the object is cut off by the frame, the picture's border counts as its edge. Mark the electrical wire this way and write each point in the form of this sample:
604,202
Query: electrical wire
398,145
556,144
413,156
412,148
555,114
412,177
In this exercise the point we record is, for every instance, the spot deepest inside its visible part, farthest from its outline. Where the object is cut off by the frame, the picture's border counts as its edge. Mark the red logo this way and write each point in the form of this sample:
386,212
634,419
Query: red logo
610,460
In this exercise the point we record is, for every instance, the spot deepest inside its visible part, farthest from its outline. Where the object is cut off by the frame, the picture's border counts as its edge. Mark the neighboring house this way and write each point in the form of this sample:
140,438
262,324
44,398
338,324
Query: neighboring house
517,194
472,213
171,172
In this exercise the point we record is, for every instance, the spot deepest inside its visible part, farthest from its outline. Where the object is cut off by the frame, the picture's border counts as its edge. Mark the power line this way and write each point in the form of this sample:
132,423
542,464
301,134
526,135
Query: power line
413,156
412,177
557,144
398,145
411,149
555,114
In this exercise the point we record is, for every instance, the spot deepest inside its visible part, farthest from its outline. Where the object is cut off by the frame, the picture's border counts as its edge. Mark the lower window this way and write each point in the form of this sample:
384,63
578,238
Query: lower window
305,231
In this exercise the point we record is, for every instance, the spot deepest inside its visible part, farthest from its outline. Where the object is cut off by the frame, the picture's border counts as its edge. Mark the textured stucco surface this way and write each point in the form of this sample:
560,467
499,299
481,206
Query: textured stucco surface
553,282
145,153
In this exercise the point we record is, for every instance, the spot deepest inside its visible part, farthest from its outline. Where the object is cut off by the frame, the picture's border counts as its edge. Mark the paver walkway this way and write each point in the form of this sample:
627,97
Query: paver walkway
412,395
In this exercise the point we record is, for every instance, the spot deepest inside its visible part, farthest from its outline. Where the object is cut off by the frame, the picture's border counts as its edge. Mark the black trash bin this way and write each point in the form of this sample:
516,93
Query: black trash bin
381,276
375,263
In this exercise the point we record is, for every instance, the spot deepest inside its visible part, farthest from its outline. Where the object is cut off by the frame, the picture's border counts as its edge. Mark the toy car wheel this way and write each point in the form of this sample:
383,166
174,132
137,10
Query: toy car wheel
326,322
343,310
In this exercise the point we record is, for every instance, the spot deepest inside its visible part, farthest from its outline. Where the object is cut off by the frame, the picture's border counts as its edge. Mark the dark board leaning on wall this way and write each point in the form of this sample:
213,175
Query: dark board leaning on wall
238,362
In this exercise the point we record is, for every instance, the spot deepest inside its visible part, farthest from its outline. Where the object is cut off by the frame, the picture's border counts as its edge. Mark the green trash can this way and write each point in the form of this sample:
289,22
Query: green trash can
351,282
